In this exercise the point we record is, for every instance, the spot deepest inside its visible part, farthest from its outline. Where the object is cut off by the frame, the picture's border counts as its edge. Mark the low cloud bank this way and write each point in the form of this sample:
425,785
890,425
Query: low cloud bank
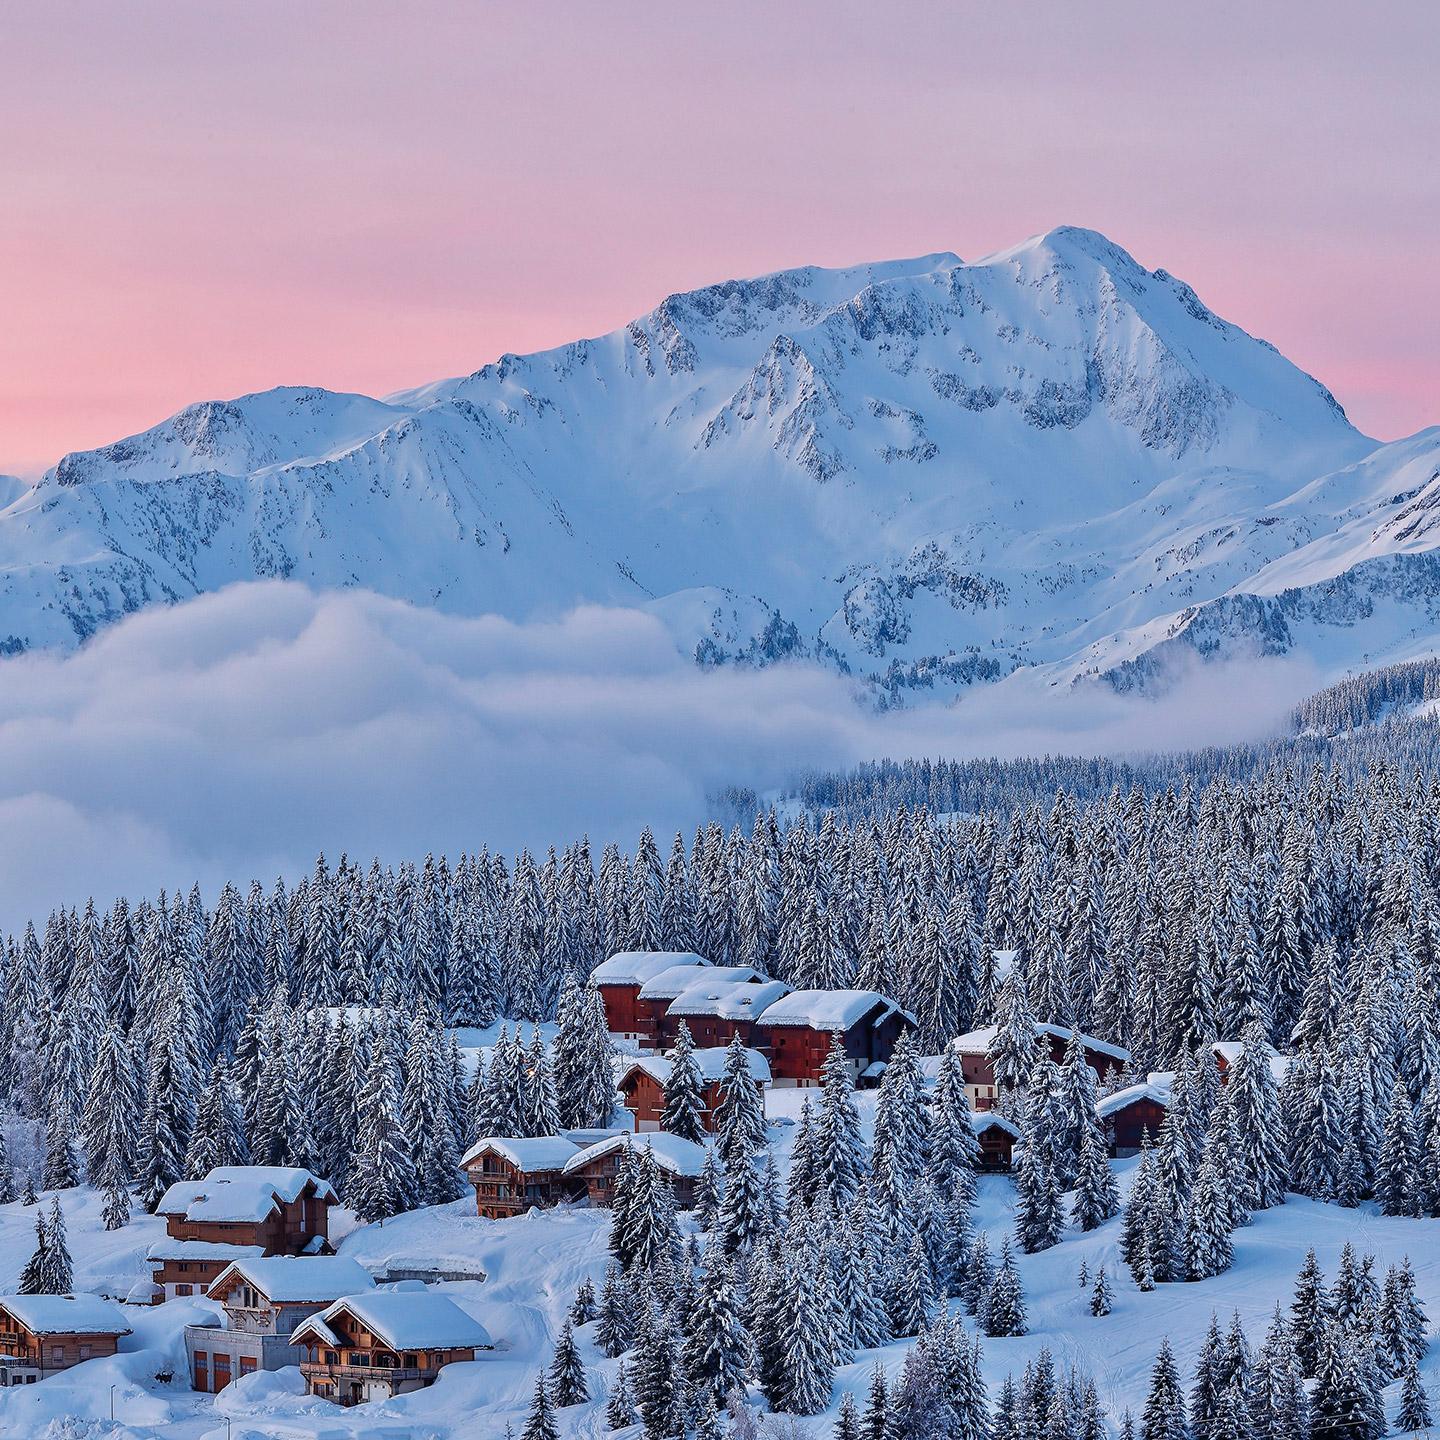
236,735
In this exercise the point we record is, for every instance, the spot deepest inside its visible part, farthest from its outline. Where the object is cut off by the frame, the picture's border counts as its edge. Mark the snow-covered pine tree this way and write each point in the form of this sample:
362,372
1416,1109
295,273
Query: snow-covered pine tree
37,1269
718,1354
1414,1412
684,1098
1164,1416
57,1273
836,1154
1003,1308
383,1180
540,1423
1101,1294
740,1113
567,1372
619,1406
1097,1195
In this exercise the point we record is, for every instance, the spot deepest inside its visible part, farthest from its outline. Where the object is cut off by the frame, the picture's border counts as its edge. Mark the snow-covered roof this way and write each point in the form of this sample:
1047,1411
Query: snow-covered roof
404,1320
240,1192
675,979
732,1001
831,1009
635,967
1231,1050
81,1314
1149,1090
710,1059
541,1152
683,1158
289,1278
167,1249
983,1120
977,1042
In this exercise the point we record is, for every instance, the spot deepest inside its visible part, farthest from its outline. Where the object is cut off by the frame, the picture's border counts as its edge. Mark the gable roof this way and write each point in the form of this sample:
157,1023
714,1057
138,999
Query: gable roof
166,1248
531,1153
403,1320
727,1000
832,1009
977,1042
289,1278
679,1157
675,979
232,1193
79,1314
635,967
983,1120
1132,1094
710,1058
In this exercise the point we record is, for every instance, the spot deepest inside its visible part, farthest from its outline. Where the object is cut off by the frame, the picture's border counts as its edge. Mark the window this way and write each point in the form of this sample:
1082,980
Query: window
359,1357
331,1358
57,1354
86,1352
384,1360
412,1362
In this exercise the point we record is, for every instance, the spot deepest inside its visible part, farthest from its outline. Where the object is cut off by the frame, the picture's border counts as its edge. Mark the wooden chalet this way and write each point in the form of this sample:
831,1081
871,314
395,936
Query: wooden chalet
41,1335
798,1028
265,1299
681,1161
716,1012
642,1085
384,1343
974,1051
1129,1114
512,1175
619,979
237,1212
997,1137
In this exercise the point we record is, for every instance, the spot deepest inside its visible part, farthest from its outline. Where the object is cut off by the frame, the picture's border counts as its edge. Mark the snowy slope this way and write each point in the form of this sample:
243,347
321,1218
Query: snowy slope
924,471
534,1264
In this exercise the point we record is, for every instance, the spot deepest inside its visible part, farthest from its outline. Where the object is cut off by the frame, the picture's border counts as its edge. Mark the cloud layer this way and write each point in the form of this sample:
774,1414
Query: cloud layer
236,735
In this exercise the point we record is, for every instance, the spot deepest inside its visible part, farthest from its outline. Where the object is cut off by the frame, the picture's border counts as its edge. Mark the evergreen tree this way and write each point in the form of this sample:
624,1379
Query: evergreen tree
1414,1411
37,1270
619,1407
567,1373
1101,1296
1097,1196
684,1100
383,1180
116,1214
540,1423
1164,1416
740,1113
1003,1308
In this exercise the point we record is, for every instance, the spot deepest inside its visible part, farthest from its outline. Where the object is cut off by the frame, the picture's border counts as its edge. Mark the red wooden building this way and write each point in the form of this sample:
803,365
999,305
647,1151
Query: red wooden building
974,1051
798,1028
1129,1114
997,1137
619,979
237,1212
716,1013
643,1083
681,1161
384,1343
511,1175
667,999
41,1335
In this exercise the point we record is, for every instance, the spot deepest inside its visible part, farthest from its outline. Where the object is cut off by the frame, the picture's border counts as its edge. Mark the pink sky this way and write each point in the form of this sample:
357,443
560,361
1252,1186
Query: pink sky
201,199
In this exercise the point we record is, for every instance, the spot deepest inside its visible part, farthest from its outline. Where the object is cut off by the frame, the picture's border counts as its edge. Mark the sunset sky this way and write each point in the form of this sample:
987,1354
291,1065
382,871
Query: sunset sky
203,199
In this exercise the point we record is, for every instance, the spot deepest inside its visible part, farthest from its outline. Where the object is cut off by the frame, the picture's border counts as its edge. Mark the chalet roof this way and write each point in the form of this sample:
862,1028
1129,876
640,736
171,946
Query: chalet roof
710,1058
542,1152
682,1158
290,1278
1231,1050
830,1010
635,967
977,1042
166,1248
984,1120
1132,1094
727,1000
80,1314
240,1192
675,979
403,1319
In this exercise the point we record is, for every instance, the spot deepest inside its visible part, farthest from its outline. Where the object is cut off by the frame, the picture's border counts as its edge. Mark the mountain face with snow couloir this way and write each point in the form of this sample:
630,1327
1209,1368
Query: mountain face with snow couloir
925,473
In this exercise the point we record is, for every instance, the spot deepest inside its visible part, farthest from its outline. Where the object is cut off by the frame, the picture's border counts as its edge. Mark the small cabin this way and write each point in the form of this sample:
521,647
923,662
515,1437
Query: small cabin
384,1343
997,1137
265,1299
1130,1114
642,1085
236,1213
41,1335
680,1161
974,1051
510,1175
619,979
798,1030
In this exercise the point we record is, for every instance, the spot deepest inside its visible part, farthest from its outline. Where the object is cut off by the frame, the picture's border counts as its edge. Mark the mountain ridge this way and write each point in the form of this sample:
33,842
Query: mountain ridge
924,472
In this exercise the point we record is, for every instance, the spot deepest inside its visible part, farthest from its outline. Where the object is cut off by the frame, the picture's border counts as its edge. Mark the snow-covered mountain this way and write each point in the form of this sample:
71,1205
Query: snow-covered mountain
927,472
